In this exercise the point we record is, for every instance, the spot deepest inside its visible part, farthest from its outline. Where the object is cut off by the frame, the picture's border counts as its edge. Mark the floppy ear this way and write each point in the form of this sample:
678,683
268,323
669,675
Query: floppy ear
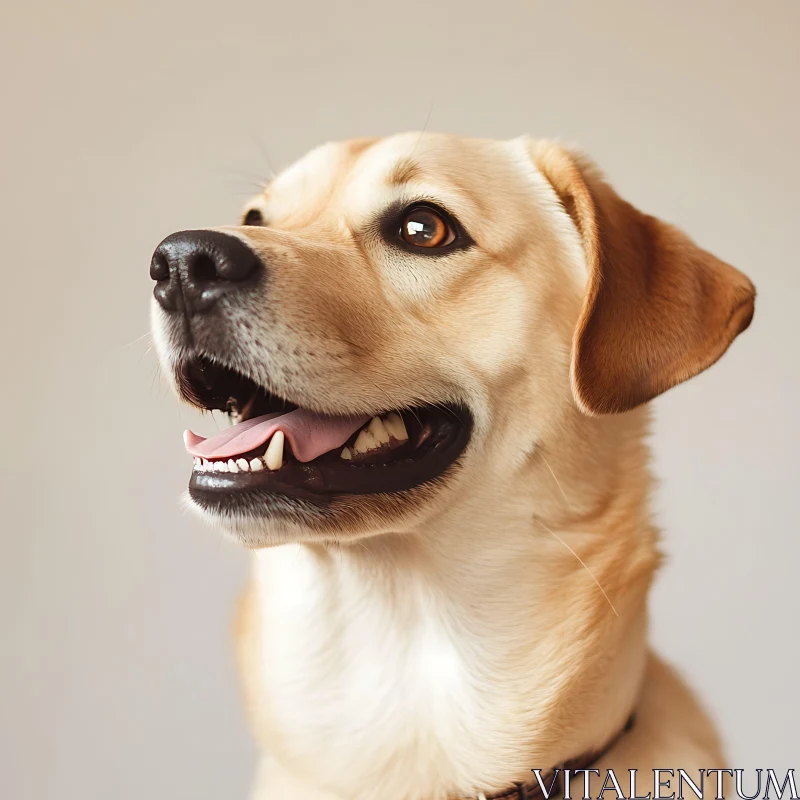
657,308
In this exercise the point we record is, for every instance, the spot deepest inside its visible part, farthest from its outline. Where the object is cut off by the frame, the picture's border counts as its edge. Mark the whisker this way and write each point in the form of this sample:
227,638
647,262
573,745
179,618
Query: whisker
391,405
358,541
446,408
422,132
248,193
256,178
416,416
260,146
547,464
145,354
582,563
139,338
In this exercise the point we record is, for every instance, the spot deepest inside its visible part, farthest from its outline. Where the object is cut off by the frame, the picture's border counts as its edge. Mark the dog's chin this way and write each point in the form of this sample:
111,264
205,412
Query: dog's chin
259,520
370,473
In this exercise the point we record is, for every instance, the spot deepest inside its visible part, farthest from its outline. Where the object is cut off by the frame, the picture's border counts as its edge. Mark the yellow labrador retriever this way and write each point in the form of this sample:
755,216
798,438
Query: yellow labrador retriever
436,352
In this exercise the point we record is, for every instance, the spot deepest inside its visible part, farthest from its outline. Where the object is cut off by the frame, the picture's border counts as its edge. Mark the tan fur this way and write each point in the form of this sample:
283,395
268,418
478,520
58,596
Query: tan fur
446,640
658,309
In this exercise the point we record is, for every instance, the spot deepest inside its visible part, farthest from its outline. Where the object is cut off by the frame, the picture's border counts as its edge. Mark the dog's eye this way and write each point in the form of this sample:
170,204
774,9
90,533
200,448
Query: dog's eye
423,226
253,217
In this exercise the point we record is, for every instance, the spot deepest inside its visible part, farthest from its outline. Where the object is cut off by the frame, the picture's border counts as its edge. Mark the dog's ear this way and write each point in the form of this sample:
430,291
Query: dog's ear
657,308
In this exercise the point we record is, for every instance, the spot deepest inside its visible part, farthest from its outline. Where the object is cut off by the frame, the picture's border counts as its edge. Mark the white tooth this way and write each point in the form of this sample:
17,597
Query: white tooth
243,464
256,465
378,430
206,464
346,454
396,427
365,442
274,455
232,466
197,462
221,466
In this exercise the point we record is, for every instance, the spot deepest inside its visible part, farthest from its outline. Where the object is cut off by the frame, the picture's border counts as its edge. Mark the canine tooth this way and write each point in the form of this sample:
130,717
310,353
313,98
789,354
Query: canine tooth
346,454
365,442
378,430
274,455
243,464
256,465
396,427
232,466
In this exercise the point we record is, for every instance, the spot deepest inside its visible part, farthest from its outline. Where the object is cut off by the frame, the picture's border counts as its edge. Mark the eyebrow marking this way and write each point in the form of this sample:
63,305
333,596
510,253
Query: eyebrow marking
403,172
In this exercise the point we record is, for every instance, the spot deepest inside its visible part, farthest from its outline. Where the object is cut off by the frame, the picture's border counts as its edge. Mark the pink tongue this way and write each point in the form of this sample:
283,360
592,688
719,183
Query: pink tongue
309,434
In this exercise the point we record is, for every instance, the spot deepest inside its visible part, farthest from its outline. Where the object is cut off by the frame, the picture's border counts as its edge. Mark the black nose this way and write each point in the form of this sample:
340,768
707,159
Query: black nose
193,269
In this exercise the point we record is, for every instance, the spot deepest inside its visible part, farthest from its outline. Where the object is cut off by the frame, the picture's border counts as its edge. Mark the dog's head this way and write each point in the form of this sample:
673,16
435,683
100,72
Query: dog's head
394,318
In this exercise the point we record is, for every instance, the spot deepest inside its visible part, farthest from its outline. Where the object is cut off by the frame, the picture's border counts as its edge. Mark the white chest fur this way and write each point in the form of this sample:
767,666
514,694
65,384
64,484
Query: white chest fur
364,672
378,671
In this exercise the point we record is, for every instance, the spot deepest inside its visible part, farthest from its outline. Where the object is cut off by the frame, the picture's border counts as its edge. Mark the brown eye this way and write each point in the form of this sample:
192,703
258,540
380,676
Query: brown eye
424,227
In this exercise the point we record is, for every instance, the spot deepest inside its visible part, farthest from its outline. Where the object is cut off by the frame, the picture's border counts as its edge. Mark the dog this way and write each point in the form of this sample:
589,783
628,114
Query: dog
437,353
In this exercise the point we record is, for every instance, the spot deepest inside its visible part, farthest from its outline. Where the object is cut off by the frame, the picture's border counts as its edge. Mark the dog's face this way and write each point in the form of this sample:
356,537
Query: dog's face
396,317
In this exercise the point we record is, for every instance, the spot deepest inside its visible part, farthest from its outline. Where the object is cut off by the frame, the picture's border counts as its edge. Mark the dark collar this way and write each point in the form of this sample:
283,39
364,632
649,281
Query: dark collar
555,777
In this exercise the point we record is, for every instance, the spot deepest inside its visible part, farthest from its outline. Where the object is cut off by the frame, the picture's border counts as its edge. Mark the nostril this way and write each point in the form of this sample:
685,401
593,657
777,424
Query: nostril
238,262
159,267
202,267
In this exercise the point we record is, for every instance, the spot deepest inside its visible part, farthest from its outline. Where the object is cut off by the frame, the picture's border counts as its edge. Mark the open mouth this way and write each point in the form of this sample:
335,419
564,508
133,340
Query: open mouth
276,447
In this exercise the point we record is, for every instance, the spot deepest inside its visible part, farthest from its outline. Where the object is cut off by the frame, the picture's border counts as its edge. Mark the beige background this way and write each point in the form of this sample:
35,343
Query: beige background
124,121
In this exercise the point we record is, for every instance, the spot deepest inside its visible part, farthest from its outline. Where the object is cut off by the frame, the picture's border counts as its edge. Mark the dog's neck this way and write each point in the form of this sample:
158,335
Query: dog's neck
508,634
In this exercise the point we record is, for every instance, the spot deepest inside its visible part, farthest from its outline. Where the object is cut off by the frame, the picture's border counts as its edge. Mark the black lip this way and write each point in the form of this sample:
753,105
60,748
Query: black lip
329,478
438,435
